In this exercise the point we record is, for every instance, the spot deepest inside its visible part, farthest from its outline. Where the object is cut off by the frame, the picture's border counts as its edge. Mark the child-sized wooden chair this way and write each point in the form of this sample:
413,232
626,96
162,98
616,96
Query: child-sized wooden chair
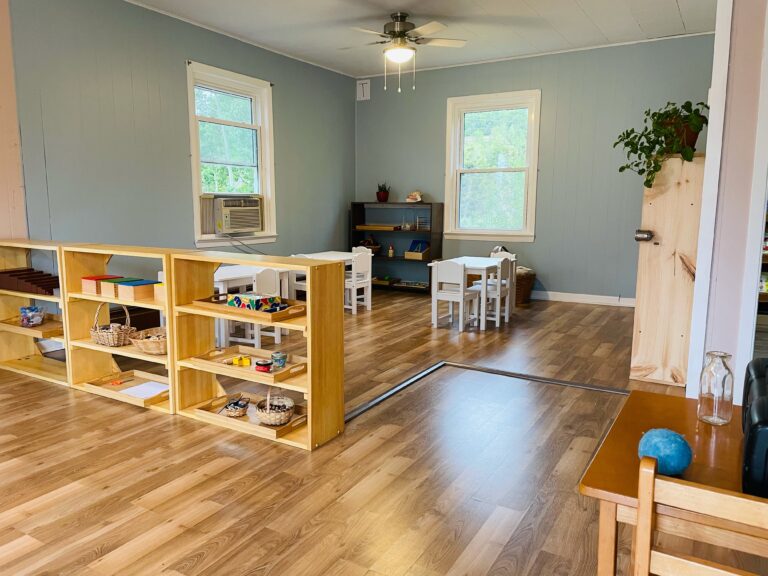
731,511
359,278
449,284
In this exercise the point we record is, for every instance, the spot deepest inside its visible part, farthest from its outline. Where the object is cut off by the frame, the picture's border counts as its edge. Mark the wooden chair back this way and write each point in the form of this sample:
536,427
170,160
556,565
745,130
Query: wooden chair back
361,266
361,249
267,282
503,255
734,507
450,276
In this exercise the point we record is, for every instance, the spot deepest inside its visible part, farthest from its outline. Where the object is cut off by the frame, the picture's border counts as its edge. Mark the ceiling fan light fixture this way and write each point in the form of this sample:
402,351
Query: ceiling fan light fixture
400,54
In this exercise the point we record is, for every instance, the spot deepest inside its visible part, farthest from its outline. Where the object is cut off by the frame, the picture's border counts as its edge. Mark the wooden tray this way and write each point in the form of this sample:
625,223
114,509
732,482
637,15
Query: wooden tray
105,387
223,358
218,302
212,411
382,282
51,327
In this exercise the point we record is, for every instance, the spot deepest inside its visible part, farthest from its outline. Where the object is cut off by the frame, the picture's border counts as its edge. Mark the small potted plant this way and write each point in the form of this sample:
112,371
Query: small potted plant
382,192
672,130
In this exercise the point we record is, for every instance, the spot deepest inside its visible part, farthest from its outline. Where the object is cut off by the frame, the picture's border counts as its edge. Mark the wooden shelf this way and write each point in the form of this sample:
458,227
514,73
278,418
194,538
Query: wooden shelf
399,259
424,290
151,304
298,383
19,352
50,329
105,387
30,296
210,411
200,387
232,313
372,232
129,351
38,367
762,297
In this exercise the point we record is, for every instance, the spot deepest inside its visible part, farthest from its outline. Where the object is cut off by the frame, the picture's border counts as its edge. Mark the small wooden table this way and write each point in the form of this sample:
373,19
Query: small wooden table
612,475
482,266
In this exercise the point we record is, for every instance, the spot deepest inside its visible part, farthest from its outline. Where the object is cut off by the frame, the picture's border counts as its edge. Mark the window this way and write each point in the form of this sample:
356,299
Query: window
231,139
491,158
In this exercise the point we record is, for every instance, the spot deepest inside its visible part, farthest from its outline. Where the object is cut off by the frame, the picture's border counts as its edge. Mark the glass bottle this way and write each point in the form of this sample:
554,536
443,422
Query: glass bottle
716,390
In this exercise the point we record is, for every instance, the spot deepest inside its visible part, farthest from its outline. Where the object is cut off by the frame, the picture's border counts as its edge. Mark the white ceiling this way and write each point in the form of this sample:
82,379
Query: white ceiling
318,31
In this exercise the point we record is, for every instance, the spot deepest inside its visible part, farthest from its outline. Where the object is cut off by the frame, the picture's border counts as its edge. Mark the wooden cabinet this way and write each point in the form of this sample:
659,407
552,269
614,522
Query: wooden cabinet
319,391
19,350
666,271
92,367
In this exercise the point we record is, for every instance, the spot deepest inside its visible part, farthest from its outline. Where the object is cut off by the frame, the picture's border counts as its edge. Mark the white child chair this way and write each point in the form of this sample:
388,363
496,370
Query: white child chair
358,278
498,290
449,284
362,249
296,280
266,282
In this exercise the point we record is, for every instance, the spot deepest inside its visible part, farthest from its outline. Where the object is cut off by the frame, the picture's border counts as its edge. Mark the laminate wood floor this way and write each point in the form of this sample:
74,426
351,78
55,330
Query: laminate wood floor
462,473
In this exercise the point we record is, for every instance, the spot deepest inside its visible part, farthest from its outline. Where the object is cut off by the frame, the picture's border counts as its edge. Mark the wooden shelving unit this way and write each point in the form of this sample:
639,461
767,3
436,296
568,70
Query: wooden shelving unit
91,364
198,392
393,213
19,350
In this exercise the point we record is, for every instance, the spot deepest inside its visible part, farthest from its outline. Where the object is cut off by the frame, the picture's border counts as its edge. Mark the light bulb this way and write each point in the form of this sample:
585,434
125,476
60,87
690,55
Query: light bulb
399,55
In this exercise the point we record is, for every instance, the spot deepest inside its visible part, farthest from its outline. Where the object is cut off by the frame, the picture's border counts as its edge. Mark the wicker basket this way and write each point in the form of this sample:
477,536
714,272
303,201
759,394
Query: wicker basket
275,417
525,279
151,341
238,411
112,335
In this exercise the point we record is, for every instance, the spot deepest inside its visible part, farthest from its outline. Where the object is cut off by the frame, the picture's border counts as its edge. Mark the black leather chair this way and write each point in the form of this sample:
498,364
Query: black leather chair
755,424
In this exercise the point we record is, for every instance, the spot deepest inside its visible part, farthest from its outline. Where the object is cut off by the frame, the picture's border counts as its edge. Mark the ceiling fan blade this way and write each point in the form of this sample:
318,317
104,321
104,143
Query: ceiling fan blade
427,29
367,31
441,42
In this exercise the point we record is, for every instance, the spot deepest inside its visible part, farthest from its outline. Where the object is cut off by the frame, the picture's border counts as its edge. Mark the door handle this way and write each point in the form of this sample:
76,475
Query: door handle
643,235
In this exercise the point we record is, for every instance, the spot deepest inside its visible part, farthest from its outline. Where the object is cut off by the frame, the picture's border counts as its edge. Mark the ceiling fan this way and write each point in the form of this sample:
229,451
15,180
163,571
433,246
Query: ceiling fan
400,38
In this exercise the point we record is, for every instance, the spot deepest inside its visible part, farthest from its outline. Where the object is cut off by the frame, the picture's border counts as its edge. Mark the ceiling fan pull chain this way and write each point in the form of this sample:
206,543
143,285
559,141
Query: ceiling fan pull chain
414,70
385,72
399,70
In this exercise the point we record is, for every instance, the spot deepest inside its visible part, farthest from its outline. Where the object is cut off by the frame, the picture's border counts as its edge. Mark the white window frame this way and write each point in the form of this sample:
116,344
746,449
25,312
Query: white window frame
260,92
457,107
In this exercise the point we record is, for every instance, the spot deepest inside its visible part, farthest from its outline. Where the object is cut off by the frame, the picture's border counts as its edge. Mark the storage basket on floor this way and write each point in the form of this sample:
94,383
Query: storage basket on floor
525,279
112,335
151,341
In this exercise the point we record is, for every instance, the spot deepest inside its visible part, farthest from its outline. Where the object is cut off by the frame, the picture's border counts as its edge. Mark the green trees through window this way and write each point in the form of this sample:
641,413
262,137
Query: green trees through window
494,170
228,142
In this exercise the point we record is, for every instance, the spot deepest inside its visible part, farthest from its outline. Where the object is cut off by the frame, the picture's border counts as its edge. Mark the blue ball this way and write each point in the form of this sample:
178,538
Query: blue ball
673,454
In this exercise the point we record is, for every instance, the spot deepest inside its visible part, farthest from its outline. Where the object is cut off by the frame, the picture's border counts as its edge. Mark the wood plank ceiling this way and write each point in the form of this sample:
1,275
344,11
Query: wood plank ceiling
318,31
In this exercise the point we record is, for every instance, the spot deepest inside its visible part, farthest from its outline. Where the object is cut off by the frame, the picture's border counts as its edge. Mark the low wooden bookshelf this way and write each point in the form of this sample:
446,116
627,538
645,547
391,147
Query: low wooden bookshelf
93,367
19,346
198,391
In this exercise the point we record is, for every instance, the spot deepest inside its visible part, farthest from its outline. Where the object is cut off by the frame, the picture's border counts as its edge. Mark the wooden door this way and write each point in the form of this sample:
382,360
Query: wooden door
666,270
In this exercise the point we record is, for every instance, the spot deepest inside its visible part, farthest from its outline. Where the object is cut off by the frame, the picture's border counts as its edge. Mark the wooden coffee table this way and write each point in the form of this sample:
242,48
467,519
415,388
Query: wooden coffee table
612,475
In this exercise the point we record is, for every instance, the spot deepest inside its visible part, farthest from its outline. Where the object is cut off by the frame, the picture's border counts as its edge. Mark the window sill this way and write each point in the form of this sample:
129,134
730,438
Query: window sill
489,237
209,242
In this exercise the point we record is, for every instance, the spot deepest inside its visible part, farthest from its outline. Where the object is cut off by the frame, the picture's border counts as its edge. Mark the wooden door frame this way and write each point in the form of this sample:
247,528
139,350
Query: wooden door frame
755,224
706,242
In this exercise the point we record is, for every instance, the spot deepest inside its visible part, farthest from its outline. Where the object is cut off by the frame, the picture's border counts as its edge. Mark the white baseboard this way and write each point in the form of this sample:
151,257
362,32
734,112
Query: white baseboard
583,298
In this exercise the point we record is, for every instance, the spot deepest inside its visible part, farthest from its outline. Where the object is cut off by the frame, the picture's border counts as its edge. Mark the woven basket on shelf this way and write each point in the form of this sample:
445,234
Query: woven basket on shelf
112,335
525,279
151,341
275,417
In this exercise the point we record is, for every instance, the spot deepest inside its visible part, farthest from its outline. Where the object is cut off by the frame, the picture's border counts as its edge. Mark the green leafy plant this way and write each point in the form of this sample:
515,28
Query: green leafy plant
672,130
383,187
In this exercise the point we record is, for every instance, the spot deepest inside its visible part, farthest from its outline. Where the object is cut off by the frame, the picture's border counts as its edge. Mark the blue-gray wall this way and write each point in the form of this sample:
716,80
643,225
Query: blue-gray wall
102,93
586,212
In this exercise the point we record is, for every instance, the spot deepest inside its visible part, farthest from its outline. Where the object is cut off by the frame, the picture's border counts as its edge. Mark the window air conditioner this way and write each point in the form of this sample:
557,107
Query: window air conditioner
238,215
